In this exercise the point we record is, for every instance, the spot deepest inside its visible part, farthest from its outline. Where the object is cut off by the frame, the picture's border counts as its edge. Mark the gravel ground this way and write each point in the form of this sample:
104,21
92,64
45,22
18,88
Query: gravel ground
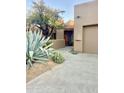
78,74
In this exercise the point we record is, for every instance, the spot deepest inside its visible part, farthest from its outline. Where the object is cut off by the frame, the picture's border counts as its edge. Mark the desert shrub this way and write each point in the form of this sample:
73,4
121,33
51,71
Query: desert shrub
57,57
73,52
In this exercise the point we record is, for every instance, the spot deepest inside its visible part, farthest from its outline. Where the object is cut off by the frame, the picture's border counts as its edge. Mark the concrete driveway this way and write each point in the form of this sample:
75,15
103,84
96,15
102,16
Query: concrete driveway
78,74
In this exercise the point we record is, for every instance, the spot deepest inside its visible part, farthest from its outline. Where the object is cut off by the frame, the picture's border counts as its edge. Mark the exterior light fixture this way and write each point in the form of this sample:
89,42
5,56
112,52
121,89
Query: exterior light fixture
78,17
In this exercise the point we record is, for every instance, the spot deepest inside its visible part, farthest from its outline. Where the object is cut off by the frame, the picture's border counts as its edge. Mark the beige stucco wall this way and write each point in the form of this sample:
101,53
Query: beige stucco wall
60,34
58,43
88,13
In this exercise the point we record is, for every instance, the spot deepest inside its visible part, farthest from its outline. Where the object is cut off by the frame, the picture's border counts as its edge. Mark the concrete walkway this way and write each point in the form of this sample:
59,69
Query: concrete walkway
78,74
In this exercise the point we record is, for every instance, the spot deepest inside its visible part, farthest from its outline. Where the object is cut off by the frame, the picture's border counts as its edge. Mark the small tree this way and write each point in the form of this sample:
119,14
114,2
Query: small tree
45,18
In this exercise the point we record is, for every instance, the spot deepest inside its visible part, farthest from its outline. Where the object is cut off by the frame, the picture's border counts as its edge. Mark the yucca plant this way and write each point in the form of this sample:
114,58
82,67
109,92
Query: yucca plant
37,50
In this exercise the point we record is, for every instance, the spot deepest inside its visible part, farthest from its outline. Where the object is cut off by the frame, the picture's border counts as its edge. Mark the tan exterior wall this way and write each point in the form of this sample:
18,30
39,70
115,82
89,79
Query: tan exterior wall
58,43
88,13
60,34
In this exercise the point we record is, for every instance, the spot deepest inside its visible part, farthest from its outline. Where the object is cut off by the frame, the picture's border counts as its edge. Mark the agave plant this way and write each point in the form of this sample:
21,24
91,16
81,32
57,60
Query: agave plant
38,48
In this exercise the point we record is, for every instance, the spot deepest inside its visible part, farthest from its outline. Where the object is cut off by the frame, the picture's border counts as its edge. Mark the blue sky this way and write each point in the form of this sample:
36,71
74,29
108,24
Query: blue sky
66,5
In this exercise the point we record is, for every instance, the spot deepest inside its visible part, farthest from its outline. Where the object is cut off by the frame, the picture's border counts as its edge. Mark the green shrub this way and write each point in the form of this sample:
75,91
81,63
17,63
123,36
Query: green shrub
73,52
57,57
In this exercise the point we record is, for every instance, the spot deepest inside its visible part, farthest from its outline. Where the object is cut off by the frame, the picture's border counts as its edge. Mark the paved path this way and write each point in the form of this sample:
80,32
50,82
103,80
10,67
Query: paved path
78,74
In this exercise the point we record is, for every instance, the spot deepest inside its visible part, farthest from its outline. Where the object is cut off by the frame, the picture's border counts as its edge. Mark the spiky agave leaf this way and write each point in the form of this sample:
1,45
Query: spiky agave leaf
48,46
29,62
37,40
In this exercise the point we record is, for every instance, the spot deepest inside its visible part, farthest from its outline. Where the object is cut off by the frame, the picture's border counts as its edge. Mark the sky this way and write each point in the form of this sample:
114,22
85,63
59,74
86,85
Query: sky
66,5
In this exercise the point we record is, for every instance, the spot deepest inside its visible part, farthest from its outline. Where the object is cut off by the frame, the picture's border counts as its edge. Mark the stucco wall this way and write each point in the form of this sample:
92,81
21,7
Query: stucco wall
60,34
58,43
88,13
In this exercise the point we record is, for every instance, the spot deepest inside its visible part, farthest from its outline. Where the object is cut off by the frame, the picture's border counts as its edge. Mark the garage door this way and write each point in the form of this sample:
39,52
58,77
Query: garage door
90,38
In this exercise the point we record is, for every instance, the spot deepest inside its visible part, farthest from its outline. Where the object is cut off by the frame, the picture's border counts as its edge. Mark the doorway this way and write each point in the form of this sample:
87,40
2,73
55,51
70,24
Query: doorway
68,36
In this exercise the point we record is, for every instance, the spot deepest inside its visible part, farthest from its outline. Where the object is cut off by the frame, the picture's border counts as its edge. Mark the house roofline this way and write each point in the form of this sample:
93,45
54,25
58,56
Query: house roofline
85,3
